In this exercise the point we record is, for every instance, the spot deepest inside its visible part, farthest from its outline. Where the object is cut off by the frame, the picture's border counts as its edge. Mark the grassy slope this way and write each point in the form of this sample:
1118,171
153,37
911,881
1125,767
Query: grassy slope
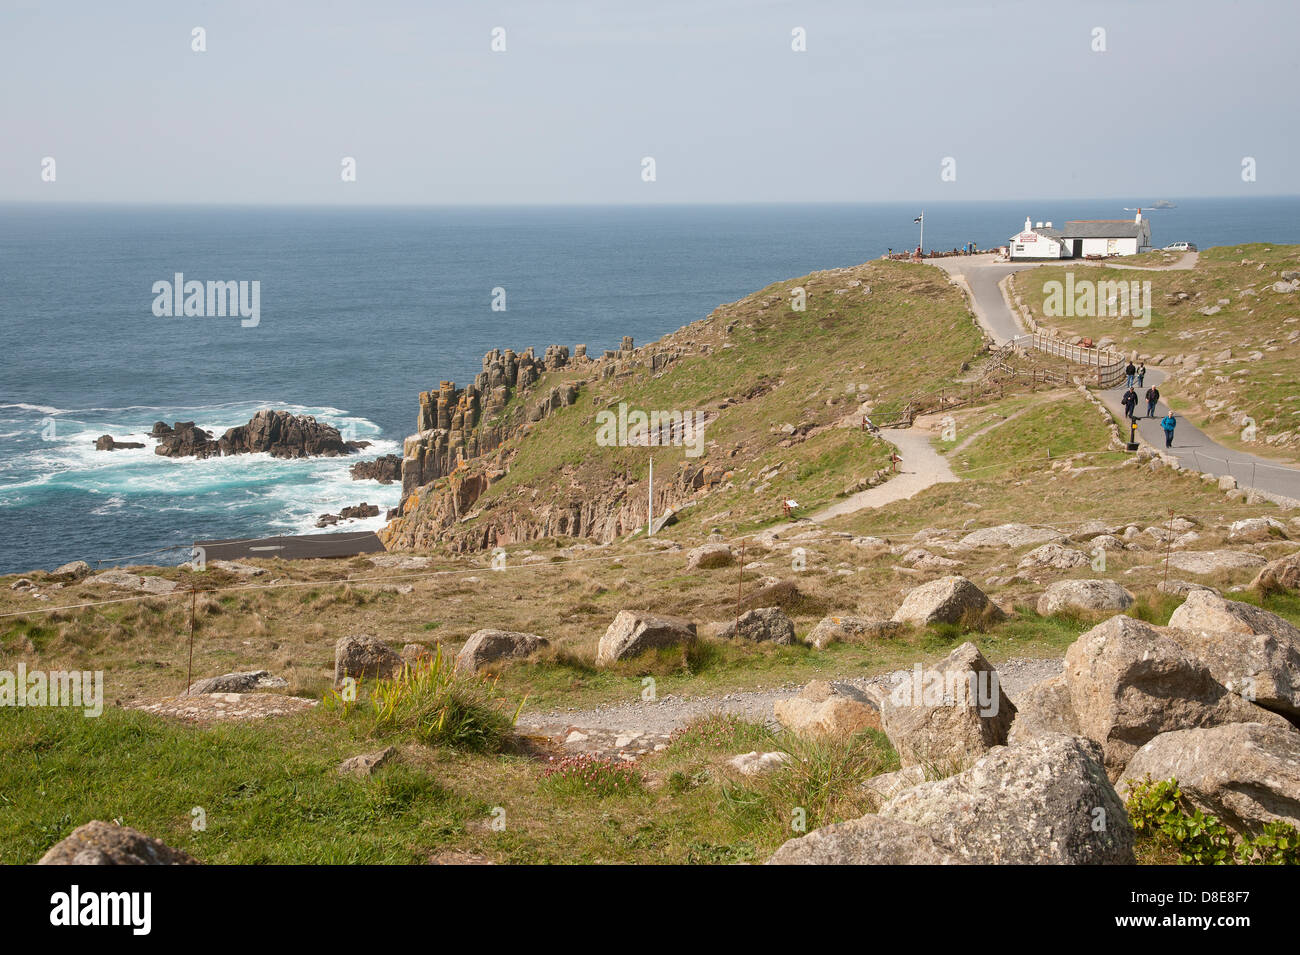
1216,395
912,332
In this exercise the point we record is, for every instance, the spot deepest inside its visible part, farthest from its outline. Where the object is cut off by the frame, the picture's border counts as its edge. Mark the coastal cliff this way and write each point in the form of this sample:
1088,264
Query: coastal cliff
764,401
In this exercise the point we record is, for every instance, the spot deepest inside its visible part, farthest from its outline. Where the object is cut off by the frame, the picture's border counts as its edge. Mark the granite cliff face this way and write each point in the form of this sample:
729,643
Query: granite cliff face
463,446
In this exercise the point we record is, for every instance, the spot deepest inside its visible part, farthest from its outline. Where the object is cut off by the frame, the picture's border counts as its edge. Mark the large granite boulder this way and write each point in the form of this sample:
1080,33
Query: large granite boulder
761,625
851,630
946,600
1043,709
1254,529
488,646
277,433
1053,556
104,843
946,716
1046,801
385,470
635,632
1091,595
1251,651
870,840
247,682
1247,774
1214,561
1279,575
710,555
1009,536
1129,683
827,709
363,657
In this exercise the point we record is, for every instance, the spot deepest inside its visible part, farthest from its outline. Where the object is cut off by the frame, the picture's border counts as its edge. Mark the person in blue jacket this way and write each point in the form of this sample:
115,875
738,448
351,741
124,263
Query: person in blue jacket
1169,423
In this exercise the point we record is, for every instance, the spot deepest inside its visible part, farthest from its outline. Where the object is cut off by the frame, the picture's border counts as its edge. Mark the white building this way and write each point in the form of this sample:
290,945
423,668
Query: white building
1082,238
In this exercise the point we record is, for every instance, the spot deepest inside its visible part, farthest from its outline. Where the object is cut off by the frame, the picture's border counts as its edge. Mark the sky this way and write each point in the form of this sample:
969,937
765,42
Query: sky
890,100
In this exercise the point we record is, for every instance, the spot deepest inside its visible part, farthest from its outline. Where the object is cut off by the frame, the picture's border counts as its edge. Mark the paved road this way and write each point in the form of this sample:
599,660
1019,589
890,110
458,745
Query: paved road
1197,451
980,274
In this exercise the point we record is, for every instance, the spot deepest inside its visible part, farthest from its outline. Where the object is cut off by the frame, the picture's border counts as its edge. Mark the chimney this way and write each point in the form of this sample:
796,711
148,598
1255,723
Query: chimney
1026,223
1038,225
1049,223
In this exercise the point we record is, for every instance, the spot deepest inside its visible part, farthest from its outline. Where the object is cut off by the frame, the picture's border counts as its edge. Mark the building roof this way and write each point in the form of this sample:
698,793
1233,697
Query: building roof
1102,229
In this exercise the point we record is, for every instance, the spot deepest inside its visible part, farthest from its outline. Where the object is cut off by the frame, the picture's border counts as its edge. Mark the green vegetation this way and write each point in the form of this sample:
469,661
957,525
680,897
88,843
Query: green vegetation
1166,824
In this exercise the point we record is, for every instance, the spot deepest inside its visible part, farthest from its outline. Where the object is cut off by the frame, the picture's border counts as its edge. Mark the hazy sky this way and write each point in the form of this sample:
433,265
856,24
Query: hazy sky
711,89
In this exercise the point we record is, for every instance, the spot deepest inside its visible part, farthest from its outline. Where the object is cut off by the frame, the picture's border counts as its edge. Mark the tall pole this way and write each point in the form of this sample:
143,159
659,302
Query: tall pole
650,508
922,233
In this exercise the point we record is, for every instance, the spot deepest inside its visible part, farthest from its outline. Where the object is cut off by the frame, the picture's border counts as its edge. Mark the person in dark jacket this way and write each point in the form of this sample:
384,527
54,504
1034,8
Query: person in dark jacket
1130,401
1142,373
1153,395
1131,372
1169,423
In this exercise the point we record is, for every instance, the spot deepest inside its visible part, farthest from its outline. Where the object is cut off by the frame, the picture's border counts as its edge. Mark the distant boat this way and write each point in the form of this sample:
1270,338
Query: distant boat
1163,204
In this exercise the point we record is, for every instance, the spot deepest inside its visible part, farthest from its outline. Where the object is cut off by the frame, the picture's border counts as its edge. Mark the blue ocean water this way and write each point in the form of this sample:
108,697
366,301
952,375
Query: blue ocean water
360,310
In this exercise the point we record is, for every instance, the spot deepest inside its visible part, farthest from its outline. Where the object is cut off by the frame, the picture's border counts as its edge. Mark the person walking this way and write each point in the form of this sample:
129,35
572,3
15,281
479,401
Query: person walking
1142,373
1169,423
1130,401
1153,395
1131,372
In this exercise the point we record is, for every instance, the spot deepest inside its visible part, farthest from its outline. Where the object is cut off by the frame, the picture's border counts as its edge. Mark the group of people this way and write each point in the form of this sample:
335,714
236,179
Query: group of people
1136,375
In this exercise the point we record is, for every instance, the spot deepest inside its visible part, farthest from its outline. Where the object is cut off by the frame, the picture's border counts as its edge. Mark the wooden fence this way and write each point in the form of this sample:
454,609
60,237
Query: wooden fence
1110,365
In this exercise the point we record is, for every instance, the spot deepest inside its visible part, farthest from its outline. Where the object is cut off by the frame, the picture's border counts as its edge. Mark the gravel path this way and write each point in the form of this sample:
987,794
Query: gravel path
671,712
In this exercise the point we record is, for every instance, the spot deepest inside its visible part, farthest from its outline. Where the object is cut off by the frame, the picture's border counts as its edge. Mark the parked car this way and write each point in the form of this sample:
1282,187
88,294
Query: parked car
1181,247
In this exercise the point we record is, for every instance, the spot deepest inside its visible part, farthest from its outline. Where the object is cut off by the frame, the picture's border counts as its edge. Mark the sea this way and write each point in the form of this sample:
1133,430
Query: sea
360,309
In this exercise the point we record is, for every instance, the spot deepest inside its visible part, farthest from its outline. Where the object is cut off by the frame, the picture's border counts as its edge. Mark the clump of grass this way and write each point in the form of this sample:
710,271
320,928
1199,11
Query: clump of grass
587,775
822,784
721,732
433,703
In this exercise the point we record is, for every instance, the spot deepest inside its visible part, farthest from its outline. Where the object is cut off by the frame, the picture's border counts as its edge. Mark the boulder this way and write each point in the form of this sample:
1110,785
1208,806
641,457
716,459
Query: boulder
870,840
1279,575
1247,774
706,556
247,682
104,843
886,786
764,624
385,470
946,600
367,763
77,569
1181,588
1046,801
758,764
1252,652
363,657
827,709
851,630
122,580
1214,561
1083,595
1256,529
106,442
1043,709
1129,683
1010,535
945,716
1054,556
277,433
488,646
633,633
